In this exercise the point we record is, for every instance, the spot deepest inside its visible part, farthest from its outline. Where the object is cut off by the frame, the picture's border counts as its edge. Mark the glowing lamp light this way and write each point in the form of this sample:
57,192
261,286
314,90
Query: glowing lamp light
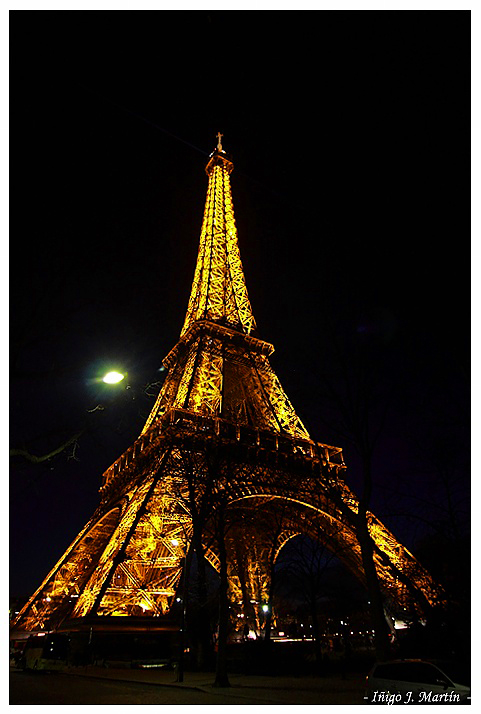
113,378
265,608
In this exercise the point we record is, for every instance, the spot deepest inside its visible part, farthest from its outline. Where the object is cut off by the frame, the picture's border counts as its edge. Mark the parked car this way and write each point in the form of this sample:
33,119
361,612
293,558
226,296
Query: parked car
416,681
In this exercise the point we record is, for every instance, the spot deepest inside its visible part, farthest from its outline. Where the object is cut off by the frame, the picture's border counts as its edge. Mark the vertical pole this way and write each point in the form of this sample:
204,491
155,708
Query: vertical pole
221,676
180,677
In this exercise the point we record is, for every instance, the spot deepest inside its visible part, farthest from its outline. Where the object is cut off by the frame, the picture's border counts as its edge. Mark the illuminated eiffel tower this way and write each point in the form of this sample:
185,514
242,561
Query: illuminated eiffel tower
222,431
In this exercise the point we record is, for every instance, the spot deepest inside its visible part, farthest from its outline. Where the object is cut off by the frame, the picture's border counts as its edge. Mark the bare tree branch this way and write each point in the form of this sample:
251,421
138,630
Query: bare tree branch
45,457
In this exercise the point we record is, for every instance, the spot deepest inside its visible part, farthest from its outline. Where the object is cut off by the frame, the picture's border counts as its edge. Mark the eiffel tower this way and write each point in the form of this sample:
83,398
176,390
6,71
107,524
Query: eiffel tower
222,431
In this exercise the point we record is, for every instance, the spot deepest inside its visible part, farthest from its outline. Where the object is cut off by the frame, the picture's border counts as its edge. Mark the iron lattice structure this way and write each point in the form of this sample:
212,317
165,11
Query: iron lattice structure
221,435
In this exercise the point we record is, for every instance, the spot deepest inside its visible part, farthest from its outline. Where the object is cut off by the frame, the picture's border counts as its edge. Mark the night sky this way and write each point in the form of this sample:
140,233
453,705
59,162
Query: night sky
350,137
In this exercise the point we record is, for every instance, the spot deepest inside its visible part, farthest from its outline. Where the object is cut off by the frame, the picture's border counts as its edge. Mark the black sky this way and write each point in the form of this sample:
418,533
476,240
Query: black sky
350,137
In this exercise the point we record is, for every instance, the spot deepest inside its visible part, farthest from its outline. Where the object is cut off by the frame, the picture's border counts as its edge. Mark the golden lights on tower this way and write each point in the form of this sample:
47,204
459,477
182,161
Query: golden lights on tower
219,292
220,392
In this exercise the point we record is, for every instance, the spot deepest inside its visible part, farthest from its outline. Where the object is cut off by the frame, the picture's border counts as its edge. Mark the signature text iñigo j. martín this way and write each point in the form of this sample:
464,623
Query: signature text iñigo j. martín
414,697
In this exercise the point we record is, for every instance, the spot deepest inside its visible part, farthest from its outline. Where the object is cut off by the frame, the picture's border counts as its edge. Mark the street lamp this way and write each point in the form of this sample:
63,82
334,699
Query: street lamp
176,542
113,377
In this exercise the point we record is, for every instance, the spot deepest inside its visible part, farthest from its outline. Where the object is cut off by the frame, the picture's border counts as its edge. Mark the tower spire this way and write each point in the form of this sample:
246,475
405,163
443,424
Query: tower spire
219,292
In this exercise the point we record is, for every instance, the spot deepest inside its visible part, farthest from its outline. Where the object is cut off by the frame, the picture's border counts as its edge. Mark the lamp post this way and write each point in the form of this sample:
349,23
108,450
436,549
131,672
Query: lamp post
267,621
180,675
